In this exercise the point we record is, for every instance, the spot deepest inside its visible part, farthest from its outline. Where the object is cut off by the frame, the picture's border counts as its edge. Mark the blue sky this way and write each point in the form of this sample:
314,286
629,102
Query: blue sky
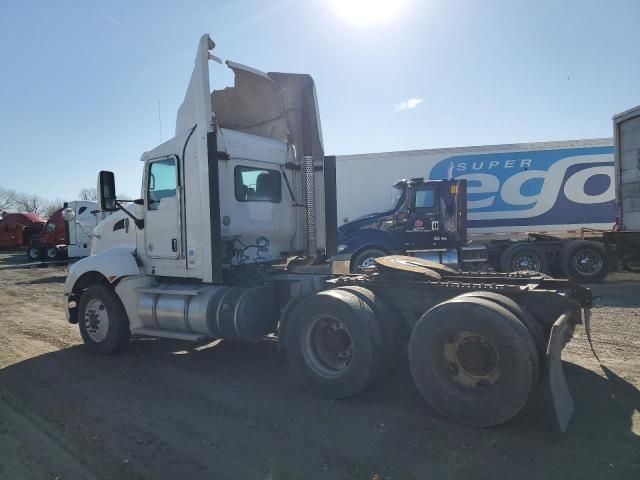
81,80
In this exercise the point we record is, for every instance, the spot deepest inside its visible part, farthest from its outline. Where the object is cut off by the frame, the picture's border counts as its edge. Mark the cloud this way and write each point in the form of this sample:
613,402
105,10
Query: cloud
111,19
413,102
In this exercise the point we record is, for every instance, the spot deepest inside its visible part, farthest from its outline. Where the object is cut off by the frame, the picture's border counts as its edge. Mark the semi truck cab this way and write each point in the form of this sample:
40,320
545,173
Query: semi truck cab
427,219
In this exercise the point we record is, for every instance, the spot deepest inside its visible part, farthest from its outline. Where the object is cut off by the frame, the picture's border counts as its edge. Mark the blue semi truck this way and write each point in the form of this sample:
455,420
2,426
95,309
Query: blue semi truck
539,206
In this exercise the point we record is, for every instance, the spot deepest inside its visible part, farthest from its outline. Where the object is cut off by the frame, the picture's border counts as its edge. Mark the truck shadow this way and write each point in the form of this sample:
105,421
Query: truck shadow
187,396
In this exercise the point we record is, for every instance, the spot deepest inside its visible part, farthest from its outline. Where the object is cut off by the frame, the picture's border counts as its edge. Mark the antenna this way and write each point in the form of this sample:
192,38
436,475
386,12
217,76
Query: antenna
159,121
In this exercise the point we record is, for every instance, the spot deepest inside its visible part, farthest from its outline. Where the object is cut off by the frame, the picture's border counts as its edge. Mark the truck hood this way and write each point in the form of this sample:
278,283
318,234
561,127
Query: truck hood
361,222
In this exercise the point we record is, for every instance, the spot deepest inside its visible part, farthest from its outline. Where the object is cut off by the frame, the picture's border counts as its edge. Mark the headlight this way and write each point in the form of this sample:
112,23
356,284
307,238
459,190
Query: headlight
341,247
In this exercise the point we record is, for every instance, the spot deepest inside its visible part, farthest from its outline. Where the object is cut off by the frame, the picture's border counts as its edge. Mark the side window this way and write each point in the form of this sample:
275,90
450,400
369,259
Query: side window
119,225
425,198
81,210
257,185
161,182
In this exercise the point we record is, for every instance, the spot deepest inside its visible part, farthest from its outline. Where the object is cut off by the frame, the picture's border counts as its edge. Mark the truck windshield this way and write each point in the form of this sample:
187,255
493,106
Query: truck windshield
396,195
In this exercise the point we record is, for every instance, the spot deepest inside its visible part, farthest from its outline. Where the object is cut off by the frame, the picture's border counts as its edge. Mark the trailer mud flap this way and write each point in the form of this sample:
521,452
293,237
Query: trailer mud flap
562,400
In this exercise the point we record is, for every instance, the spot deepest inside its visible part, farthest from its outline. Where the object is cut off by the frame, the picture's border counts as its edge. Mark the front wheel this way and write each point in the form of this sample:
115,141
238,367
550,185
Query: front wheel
51,253
104,324
366,258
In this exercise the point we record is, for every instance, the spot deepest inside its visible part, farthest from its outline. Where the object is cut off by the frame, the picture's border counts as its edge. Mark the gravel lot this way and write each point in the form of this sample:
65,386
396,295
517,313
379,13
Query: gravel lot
167,409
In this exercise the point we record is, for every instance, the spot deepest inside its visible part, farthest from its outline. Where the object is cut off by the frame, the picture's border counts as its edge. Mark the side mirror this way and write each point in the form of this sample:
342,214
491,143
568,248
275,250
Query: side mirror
107,191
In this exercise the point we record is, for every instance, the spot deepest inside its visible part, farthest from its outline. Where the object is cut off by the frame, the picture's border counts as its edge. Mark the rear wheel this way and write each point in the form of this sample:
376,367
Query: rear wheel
473,361
34,253
520,256
585,261
51,253
366,258
103,322
331,344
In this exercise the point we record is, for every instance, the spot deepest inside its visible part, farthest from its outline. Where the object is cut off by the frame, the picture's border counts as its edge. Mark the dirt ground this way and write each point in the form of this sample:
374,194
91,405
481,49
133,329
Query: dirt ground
167,409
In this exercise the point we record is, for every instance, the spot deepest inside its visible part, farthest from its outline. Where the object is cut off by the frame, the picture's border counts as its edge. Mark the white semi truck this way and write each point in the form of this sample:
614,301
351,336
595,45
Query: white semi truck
234,238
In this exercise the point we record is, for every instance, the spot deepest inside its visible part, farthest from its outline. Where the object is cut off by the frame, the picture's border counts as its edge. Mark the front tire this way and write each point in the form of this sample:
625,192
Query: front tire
51,253
366,258
103,322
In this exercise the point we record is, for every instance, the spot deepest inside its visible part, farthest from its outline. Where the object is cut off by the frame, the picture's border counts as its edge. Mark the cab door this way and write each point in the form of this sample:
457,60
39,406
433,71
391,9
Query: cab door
162,205
421,222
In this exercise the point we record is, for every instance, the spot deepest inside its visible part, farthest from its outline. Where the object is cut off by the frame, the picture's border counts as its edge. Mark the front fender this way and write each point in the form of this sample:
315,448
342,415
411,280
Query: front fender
370,237
112,264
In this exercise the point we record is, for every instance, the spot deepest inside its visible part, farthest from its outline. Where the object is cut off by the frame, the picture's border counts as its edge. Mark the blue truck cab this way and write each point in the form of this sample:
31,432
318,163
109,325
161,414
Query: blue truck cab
426,218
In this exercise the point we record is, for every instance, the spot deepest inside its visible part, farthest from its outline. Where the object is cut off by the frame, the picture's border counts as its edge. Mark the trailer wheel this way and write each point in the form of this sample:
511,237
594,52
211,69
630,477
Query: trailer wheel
366,258
103,322
51,253
585,261
533,326
34,253
520,256
473,361
330,344
390,323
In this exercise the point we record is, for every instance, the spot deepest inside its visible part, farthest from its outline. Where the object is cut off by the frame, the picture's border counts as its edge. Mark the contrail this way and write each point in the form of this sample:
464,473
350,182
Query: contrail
111,19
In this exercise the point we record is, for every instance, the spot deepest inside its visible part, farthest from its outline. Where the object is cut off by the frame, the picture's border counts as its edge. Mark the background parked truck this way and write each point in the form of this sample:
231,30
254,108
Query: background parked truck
539,206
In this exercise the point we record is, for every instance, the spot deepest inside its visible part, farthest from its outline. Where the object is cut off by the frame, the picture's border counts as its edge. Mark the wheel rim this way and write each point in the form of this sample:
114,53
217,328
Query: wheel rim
34,253
471,360
526,261
51,252
368,262
96,320
587,262
328,346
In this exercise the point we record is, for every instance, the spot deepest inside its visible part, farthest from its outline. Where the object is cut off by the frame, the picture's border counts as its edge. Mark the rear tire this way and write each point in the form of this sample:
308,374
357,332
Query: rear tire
103,322
533,326
472,361
51,253
34,253
331,344
365,258
520,256
585,261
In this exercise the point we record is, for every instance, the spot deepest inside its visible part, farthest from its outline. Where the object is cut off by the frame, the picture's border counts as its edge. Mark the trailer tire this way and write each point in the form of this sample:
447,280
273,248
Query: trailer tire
102,319
472,361
34,253
520,256
533,326
390,324
331,344
51,253
585,261
365,258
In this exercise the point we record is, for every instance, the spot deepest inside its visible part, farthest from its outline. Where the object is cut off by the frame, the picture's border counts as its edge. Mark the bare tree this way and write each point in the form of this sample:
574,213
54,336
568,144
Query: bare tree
7,199
51,207
30,202
88,194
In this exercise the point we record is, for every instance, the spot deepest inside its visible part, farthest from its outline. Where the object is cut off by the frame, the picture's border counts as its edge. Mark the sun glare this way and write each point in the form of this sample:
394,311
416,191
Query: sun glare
367,12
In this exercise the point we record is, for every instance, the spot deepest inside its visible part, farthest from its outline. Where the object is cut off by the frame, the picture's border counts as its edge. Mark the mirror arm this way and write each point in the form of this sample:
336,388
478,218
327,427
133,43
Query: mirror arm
138,221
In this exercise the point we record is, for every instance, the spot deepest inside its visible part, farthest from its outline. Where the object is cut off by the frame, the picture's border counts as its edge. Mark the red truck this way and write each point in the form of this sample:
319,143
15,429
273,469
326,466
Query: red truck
18,229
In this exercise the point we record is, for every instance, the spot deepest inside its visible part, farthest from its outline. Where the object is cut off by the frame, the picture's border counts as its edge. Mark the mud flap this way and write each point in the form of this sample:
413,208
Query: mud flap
562,400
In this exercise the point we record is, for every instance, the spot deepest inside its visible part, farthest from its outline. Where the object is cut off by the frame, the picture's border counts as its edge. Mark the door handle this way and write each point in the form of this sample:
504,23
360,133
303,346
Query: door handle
174,244
435,225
